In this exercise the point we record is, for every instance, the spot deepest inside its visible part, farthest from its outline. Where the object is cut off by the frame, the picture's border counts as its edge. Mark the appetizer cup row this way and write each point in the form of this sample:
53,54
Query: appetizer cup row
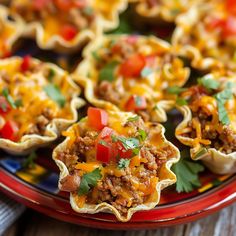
59,25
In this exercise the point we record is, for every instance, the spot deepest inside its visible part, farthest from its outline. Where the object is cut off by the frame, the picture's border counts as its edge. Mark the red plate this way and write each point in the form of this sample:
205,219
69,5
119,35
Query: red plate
36,188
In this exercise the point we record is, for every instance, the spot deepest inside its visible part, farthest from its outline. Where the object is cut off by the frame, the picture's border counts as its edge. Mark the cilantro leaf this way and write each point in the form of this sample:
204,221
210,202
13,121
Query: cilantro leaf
29,161
55,94
128,143
143,134
88,181
5,93
51,75
175,90
181,101
95,55
186,172
134,118
107,72
146,71
10,100
209,83
221,99
103,142
123,163
18,103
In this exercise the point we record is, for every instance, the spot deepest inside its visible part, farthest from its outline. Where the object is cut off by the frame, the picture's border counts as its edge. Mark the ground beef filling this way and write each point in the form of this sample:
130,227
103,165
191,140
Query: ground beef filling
225,140
41,122
113,93
110,188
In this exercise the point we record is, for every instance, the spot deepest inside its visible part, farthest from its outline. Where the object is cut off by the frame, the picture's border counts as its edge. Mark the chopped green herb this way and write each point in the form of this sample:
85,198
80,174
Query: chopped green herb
209,83
123,163
5,93
103,142
181,101
88,181
134,118
143,134
13,104
51,75
146,71
29,161
221,99
107,72
128,143
175,90
95,55
18,103
186,172
55,94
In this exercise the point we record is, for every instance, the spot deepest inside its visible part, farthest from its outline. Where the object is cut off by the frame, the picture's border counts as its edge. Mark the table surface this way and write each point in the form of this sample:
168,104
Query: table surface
31,223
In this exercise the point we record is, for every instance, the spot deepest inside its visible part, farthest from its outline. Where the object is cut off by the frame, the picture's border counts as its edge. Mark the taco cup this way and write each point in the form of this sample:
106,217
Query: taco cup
114,162
66,26
130,73
10,31
165,10
212,42
208,125
37,101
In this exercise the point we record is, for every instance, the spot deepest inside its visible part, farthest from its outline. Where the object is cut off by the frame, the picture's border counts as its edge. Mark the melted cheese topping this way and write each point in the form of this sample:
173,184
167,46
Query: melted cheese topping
144,187
208,35
163,72
53,19
208,105
28,88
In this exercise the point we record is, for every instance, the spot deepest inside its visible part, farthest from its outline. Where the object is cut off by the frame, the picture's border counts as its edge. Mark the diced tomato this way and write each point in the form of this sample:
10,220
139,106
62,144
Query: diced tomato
122,152
132,66
26,61
68,32
229,29
105,150
9,131
40,4
97,118
231,6
215,23
136,103
4,106
106,133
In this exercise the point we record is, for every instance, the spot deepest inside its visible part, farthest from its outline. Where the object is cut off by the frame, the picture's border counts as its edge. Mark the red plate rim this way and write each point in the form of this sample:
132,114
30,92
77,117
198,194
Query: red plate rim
165,215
